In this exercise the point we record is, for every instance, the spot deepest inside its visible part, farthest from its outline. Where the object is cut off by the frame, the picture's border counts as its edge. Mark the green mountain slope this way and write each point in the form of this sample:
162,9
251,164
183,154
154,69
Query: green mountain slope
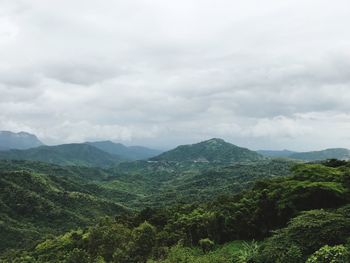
65,154
213,150
129,153
336,153
35,204
293,217
22,140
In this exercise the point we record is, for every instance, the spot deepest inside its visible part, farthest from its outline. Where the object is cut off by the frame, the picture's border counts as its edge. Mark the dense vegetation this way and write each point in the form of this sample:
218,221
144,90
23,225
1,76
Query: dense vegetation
301,217
34,204
66,154
207,202
213,150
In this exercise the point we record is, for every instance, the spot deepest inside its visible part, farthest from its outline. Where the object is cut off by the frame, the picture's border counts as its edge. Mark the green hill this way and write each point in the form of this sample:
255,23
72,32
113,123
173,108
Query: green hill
127,152
65,154
336,153
213,150
300,217
34,204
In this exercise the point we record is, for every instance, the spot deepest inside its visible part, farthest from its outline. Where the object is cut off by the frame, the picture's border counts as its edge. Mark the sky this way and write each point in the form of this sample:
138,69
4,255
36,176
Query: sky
261,74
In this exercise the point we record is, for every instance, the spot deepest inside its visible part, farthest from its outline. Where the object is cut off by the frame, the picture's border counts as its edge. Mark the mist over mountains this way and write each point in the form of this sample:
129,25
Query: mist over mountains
21,140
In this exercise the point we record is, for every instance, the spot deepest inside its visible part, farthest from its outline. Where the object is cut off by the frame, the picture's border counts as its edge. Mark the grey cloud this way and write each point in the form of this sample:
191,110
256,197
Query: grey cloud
263,75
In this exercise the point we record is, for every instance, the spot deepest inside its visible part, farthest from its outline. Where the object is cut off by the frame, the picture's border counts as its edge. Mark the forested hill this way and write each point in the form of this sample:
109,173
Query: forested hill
126,152
39,199
304,217
213,150
335,153
65,154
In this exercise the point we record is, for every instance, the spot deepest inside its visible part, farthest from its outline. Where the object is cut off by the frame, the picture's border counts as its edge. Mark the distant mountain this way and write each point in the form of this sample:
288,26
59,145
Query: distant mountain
336,153
65,154
22,140
213,150
130,153
271,153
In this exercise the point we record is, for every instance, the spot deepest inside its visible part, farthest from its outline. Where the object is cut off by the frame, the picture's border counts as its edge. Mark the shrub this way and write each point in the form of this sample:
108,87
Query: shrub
328,254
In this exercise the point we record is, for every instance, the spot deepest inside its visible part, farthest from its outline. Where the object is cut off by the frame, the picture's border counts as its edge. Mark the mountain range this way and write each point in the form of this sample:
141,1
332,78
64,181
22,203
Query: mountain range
333,153
25,146
127,152
21,140
66,154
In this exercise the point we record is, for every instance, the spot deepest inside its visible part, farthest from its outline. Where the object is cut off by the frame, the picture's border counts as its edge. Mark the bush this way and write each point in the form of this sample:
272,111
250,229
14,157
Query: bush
206,245
328,254
248,253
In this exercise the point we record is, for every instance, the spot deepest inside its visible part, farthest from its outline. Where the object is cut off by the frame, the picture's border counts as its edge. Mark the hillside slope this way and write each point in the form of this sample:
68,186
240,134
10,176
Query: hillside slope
335,153
33,205
127,152
65,154
213,150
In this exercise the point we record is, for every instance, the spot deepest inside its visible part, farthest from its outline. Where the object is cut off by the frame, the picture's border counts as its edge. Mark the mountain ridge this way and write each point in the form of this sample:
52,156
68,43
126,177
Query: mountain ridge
128,152
64,154
212,150
21,140
330,153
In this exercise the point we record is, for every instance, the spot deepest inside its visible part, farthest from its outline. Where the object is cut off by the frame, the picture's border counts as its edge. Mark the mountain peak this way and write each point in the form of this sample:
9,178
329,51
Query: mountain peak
213,150
21,140
215,140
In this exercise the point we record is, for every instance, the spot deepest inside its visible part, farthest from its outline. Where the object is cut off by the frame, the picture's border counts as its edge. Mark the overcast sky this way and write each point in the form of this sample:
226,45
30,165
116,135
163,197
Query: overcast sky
261,74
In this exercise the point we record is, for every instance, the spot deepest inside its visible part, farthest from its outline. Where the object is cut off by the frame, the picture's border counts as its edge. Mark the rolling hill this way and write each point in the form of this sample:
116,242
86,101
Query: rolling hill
335,153
272,153
65,154
22,140
213,150
127,152
38,199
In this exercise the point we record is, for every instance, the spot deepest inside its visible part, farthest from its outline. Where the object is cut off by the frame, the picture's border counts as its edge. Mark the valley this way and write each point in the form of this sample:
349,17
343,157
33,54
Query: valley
206,202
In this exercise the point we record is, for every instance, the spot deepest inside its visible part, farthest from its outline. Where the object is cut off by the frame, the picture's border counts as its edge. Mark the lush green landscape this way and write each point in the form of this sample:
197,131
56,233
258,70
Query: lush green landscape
207,202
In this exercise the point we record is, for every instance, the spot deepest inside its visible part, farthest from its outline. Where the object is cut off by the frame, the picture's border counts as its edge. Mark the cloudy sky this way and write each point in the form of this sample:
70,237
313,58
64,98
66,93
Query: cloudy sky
262,74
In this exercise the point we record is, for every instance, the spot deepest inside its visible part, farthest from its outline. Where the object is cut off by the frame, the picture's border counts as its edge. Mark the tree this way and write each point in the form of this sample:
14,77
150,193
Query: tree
206,245
328,254
144,237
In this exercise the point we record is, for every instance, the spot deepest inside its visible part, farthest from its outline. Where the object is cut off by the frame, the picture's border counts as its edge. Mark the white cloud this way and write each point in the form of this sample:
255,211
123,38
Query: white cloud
271,74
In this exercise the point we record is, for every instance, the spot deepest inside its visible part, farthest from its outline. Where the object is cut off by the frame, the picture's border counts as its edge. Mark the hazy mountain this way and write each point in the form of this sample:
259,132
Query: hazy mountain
22,140
65,154
336,153
272,153
127,152
213,150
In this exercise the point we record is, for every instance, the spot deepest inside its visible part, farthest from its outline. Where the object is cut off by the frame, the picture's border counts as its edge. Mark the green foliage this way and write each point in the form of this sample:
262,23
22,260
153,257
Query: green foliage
66,154
34,205
328,254
248,253
214,150
291,216
206,244
305,234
